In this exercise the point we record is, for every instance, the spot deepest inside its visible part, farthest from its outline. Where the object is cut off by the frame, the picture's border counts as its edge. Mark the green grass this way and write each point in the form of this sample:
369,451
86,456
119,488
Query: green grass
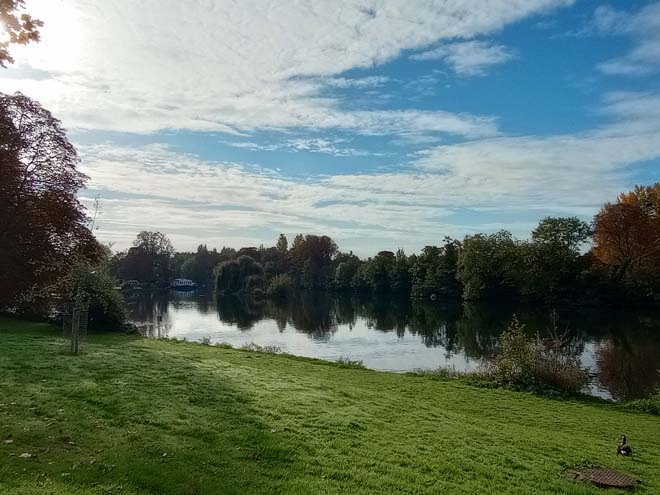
136,416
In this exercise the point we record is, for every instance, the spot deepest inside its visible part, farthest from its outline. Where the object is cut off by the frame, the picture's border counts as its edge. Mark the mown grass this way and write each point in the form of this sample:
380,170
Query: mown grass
135,416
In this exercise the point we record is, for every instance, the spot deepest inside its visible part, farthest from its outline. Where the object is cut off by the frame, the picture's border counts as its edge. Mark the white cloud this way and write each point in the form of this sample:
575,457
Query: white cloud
468,58
359,82
524,177
239,66
644,27
328,146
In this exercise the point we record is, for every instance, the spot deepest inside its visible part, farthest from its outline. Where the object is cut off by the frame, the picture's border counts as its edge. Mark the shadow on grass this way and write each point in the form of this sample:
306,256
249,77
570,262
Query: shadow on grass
145,419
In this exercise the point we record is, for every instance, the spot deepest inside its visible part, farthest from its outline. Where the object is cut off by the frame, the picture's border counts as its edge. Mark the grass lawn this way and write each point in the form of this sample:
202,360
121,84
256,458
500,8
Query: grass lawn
135,416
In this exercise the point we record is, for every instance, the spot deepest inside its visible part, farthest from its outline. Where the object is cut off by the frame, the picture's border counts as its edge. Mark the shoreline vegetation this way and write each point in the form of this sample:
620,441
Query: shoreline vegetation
612,261
137,416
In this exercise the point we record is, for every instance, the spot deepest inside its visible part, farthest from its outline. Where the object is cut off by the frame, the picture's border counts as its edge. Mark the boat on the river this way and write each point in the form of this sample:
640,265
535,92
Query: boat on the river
183,284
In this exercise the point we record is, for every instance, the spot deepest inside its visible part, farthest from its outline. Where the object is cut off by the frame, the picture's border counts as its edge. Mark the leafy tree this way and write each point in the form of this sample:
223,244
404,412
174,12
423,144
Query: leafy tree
563,235
241,274
199,267
346,266
44,231
282,244
95,285
158,248
191,269
627,234
154,244
311,256
400,277
484,262
21,28
550,265
434,270
137,265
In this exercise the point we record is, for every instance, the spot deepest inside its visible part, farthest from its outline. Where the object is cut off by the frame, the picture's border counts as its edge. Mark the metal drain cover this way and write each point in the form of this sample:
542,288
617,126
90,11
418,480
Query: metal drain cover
605,478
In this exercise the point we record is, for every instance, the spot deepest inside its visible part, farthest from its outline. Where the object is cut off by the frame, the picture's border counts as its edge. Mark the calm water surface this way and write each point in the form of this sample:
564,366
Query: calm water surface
620,349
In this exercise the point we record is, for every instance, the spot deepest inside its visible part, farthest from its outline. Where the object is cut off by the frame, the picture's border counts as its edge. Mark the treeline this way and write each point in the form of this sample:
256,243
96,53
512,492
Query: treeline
617,257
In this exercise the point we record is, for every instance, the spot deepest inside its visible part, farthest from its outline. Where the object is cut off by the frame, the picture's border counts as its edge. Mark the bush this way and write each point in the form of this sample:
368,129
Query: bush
535,363
344,362
650,405
279,286
269,349
95,285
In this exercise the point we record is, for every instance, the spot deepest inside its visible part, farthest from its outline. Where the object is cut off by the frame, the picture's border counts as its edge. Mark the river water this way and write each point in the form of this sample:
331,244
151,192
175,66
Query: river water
621,349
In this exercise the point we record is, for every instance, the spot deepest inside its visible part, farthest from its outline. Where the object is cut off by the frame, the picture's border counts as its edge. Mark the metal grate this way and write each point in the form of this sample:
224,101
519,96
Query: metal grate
604,478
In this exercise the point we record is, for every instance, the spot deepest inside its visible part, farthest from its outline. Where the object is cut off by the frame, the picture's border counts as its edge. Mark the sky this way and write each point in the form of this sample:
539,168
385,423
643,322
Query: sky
384,124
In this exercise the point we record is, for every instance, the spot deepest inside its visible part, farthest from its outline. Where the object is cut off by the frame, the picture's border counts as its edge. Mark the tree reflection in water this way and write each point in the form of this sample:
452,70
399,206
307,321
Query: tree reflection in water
622,350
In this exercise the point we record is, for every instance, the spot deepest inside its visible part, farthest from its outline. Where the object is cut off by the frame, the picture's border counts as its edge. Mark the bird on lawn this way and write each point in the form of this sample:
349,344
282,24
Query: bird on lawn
623,448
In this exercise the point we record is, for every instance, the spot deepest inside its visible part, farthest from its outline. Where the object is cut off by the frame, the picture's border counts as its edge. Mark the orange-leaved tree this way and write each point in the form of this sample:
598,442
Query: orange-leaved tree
627,233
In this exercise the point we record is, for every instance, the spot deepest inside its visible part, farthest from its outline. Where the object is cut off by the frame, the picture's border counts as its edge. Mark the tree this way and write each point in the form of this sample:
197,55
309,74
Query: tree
311,256
95,285
282,244
43,227
484,262
434,270
241,274
155,244
137,265
21,29
549,265
400,277
158,248
565,235
627,234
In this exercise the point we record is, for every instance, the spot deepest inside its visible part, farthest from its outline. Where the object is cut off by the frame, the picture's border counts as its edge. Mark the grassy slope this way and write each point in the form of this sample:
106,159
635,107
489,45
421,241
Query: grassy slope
143,416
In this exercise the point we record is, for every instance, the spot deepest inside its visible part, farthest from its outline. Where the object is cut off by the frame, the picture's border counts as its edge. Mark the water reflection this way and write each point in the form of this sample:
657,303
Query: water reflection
621,350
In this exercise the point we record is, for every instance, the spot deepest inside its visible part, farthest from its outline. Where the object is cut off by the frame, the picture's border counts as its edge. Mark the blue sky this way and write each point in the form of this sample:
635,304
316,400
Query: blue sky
383,123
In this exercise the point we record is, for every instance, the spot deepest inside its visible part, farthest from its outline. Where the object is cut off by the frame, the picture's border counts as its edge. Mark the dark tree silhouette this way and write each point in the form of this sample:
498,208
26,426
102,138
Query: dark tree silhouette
21,28
42,224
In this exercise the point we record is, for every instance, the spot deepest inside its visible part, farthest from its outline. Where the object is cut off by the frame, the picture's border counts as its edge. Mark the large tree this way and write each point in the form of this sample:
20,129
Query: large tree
627,233
20,28
157,250
43,228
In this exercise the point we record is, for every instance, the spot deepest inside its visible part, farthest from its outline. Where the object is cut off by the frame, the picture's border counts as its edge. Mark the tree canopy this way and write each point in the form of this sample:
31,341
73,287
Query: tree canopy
627,233
44,228
20,28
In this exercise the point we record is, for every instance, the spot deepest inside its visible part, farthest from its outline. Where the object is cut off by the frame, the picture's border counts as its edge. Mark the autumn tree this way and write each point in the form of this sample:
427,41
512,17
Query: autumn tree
627,234
43,228
20,28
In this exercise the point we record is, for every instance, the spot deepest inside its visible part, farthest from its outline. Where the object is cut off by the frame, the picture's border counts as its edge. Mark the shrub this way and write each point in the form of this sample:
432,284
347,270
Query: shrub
95,285
650,405
451,373
279,286
253,347
536,363
344,362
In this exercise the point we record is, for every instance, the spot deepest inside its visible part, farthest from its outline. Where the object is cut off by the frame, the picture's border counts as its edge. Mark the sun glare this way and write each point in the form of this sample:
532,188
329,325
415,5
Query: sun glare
61,36
3,32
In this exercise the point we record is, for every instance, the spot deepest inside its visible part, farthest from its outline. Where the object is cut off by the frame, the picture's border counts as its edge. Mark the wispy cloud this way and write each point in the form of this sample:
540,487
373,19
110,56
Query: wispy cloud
644,27
468,58
239,66
524,177
328,146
